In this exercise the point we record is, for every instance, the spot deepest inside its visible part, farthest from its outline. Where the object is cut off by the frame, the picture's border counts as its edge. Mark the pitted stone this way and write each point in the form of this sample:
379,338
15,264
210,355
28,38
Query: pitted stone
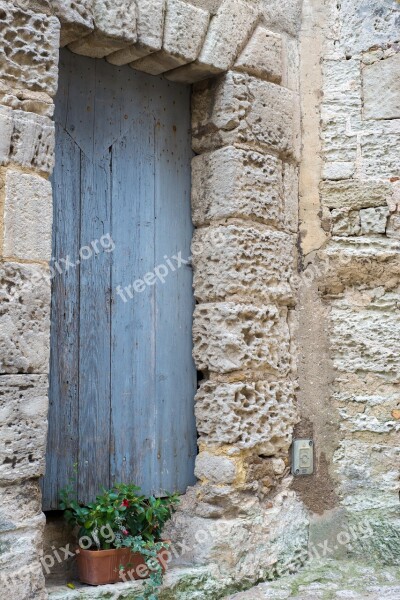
345,222
29,54
231,182
150,29
291,197
184,32
250,414
262,57
229,336
215,469
354,194
26,139
28,216
23,429
244,260
115,28
238,108
374,220
76,19
24,319
228,32
379,150
19,504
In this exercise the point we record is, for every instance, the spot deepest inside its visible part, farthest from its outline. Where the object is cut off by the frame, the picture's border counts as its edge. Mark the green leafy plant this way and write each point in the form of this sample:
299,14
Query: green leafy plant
122,517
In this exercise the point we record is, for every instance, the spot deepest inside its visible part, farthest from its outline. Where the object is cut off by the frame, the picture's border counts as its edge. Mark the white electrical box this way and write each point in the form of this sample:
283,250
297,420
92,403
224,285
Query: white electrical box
303,457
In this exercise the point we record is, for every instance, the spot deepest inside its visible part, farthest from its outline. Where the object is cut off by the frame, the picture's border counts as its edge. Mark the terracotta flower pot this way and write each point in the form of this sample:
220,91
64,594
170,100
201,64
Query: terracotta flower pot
98,567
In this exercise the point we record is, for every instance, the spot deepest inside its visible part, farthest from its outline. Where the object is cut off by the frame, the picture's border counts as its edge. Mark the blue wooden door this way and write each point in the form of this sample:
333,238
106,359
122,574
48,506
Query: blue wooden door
122,378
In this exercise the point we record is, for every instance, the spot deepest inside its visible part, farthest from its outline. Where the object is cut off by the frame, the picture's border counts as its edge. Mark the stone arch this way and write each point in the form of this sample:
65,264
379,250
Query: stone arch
246,137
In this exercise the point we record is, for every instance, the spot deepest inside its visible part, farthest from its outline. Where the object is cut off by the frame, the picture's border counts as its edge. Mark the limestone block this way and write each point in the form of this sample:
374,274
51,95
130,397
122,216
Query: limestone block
393,227
367,261
26,139
238,108
244,260
365,339
262,57
23,410
379,150
246,415
150,16
364,26
20,503
19,565
28,216
216,469
184,32
291,197
25,319
229,336
336,170
345,222
24,582
115,28
283,15
374,220
368,474
381,87
29,55
76,19
232,182
291,63
354,194
228,32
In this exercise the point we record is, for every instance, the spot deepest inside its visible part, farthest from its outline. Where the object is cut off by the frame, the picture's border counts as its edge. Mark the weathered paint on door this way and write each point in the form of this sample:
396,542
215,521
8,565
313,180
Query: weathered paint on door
122,375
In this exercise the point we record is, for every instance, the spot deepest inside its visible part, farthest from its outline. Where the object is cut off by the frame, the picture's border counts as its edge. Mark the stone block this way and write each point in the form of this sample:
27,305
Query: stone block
227,34
374,220
115,28
30,42
28,216
232,182
24,582
229,336
354,194
379,150
365,339
393,227
25,319
150,15
240,109
20,503
27,139
184,31
258,414
291,197
283,15
262,57
247,261
23,429
336,170
76,19
381,88
215,469
345,222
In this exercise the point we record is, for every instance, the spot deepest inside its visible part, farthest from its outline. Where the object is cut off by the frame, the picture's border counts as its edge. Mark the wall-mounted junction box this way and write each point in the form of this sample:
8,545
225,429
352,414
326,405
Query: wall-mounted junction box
303,457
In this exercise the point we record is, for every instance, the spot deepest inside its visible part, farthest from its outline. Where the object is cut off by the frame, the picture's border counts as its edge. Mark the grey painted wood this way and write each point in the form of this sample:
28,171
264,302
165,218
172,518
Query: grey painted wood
123,379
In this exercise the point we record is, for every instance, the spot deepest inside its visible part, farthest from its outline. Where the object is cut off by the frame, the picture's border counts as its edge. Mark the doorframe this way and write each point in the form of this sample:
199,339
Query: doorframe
245,119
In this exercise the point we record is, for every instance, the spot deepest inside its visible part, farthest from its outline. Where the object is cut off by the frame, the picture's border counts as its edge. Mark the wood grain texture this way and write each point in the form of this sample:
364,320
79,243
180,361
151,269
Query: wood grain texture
122,373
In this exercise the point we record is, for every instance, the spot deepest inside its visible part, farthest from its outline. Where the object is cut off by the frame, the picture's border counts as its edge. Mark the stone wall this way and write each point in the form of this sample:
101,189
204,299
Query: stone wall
243,58
350,239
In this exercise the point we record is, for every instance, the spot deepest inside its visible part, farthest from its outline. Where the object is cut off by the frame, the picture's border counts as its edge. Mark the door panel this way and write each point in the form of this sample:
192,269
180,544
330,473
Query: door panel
122,378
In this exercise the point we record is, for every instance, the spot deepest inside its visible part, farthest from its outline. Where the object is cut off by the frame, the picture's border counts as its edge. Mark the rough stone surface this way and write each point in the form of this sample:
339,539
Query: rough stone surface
346,222
76,19
228,32
19,504
115,28
150,29
27,139
232,182
260,413
28,217
23,409
262,57
184,31
354,194
229,336
374,220
244,261
238,108
216,469
24,319
26,59
379,76
366,24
